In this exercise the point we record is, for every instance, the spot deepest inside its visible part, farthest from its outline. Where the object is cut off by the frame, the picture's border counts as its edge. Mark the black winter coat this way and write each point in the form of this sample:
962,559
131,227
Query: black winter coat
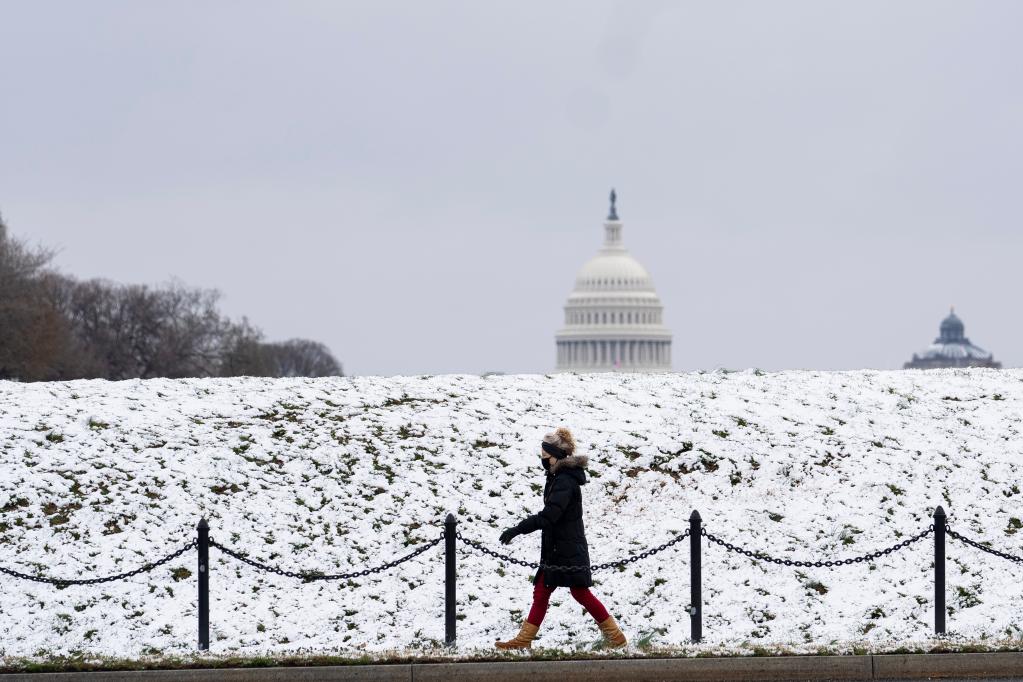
563,538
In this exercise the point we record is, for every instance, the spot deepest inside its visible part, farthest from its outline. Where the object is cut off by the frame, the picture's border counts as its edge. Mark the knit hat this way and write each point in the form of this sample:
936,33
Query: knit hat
559,443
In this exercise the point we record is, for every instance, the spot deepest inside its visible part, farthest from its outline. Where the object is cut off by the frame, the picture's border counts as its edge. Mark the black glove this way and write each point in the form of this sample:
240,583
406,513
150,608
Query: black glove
507,535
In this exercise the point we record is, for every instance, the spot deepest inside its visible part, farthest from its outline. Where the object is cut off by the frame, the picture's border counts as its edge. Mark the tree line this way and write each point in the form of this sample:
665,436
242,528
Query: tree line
55,327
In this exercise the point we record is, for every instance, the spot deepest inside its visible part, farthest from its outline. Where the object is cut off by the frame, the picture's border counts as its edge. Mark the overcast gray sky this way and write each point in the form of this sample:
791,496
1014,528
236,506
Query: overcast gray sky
811,184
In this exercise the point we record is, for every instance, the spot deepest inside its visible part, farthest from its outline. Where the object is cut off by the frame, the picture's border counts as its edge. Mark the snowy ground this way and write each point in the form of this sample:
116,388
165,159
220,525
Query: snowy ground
338,474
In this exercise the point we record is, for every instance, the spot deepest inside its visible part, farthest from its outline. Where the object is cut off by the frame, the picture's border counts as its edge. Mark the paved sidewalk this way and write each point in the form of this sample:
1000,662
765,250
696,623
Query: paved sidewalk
893,668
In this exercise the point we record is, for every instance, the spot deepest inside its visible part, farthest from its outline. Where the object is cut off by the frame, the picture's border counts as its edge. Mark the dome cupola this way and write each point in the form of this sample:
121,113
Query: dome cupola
952,329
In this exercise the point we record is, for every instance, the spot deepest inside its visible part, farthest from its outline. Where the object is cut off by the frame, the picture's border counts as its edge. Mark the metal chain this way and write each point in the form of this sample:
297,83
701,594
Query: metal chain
983,548
566,569
310,577
761,556
108,579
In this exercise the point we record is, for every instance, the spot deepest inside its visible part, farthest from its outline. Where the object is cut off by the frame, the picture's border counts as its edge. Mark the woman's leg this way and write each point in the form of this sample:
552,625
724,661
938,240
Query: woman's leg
608,627
541,599
590,603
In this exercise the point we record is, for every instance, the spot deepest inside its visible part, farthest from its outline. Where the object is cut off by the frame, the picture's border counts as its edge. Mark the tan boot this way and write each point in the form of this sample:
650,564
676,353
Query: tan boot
613,636
522,640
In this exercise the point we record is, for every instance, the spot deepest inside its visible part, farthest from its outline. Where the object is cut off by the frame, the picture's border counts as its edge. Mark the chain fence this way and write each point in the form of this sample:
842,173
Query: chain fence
64,582
452,537
763,556
982,547
621,563
312,576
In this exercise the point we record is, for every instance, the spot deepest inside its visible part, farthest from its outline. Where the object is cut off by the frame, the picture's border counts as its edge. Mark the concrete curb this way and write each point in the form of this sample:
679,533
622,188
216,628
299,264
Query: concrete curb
653,670
739,669
922,666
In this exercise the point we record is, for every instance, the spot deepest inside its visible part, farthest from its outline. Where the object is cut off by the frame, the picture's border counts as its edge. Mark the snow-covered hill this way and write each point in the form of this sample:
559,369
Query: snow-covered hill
335,474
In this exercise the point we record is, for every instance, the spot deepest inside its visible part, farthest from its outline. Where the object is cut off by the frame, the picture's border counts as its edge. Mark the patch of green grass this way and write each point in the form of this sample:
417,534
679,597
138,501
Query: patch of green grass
629,454
967,598
14,504
59,515
644,640
709,461
180,573
224,489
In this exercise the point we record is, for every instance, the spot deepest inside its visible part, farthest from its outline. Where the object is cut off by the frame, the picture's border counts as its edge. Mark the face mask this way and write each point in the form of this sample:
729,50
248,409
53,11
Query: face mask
546,463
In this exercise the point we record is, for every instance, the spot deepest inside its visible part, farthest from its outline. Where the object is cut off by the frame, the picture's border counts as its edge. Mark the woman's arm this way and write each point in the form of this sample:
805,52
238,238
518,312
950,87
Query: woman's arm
557,502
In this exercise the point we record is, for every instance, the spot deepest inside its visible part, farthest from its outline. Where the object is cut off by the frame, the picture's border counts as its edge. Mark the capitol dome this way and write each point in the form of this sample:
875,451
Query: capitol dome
613,315
952,349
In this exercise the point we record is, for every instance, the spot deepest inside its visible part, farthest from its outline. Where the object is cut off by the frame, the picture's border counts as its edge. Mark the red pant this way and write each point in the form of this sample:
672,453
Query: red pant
542,597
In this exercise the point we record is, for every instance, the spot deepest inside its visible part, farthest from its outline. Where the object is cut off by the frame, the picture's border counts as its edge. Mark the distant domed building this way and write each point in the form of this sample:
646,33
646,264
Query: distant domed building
613,316
952,349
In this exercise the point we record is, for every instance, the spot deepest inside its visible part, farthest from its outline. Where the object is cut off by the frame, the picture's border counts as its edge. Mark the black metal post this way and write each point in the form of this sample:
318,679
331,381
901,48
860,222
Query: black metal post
204,585
695,577
449,580
939,571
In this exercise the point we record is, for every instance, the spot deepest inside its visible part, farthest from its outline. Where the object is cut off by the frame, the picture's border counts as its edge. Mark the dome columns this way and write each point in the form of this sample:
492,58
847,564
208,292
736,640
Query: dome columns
610,354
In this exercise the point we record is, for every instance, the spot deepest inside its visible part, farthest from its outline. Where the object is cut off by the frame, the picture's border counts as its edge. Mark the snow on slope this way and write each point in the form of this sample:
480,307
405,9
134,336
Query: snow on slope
340,474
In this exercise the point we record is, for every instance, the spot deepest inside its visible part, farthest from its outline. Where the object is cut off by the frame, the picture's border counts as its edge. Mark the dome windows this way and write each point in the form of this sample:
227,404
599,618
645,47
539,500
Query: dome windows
615,312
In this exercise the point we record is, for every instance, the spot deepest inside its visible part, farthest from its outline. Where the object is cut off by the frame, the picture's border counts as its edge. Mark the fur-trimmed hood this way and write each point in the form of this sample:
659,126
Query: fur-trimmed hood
570,462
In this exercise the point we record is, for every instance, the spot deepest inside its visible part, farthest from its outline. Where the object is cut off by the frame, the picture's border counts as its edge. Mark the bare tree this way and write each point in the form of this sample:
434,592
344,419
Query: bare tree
32,333
55,327
303,358
134,331
188,333
244,353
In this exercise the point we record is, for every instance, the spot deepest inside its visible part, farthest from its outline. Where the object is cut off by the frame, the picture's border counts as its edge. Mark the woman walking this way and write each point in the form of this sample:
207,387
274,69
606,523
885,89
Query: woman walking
562,542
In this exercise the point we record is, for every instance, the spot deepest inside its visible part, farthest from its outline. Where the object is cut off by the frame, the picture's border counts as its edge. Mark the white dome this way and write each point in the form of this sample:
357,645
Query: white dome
612,269
613,315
